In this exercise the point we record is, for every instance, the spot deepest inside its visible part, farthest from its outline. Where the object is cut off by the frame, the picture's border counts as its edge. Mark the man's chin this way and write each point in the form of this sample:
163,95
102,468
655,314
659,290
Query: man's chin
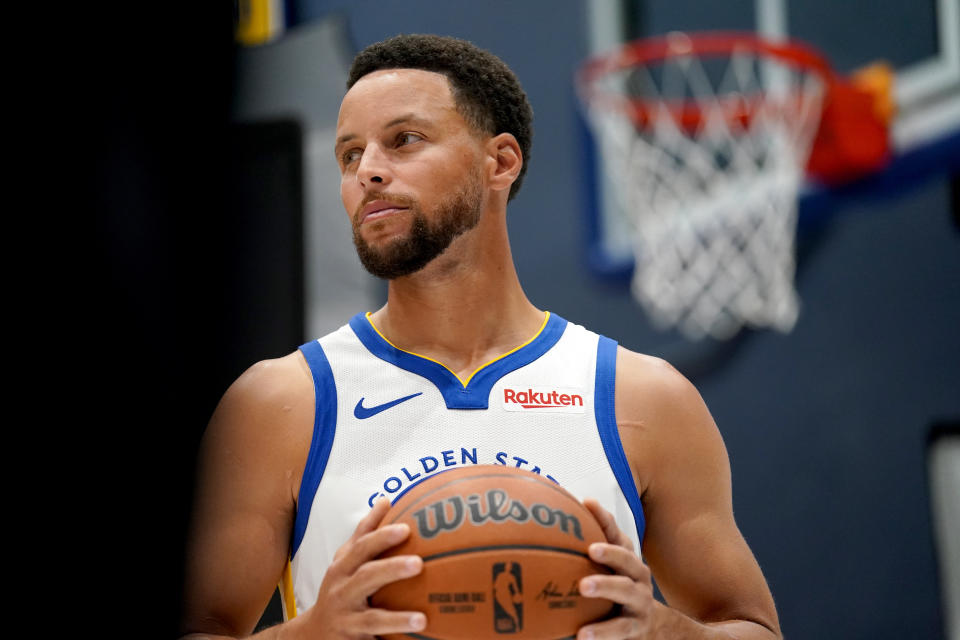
392,251
392,270
394,260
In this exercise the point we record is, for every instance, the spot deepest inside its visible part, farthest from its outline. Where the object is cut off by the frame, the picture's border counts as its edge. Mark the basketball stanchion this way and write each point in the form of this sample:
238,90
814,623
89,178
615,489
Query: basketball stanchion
707,140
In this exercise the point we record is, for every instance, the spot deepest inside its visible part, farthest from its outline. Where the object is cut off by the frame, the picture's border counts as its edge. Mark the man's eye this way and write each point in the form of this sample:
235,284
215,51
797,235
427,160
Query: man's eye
407,138
350,156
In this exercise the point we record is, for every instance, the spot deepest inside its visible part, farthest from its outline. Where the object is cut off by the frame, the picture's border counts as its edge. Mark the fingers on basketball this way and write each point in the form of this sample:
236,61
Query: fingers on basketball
610,529
368,540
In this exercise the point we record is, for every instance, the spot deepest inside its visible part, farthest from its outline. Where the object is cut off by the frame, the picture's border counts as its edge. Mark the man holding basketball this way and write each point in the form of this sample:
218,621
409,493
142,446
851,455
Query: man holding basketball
457,368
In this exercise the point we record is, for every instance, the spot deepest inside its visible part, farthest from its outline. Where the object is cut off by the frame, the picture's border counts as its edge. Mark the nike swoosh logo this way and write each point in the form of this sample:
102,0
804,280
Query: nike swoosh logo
361,412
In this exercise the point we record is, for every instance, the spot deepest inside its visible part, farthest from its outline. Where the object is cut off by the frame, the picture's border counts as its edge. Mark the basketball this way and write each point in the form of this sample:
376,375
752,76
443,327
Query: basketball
503,552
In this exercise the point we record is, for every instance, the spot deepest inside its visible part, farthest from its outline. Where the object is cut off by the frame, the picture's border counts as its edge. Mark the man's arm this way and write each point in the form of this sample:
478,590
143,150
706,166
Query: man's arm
250,461
703,566
250,465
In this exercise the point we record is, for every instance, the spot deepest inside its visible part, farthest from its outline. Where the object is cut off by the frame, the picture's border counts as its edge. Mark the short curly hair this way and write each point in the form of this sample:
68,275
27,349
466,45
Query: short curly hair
487,93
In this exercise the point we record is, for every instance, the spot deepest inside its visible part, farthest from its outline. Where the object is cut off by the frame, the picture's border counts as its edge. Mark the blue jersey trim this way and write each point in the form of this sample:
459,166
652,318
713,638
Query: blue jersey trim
476,394
605,407
324,426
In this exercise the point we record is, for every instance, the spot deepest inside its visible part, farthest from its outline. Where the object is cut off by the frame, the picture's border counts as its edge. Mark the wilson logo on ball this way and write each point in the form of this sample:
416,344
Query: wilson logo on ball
496,506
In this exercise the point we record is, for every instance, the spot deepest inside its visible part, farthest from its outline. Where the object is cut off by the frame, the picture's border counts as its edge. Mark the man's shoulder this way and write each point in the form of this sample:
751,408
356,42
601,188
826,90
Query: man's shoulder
273,397
660,416
273,380
635,367
265,418
650,390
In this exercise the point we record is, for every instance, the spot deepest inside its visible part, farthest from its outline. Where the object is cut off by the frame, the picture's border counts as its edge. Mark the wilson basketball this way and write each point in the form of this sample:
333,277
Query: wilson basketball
503,552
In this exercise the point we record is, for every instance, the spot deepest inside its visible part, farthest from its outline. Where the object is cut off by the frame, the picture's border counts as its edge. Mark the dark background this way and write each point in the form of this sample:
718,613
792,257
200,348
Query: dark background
131,302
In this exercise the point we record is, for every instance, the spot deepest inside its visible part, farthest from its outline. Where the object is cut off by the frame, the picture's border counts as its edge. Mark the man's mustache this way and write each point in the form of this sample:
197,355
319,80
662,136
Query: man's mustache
398,199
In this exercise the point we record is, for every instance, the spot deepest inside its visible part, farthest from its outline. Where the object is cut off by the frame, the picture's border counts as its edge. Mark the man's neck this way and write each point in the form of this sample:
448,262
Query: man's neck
464,309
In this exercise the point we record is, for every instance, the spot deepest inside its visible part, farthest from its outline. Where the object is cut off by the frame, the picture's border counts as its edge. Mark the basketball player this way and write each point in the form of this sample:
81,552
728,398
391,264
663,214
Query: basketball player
304,453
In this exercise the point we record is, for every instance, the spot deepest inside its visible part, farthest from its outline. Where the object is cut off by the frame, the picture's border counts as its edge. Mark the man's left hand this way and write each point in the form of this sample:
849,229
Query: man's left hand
630,586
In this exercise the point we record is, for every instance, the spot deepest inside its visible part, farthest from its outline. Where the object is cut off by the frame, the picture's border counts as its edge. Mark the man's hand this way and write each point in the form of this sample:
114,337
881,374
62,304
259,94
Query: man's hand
630,587
341,609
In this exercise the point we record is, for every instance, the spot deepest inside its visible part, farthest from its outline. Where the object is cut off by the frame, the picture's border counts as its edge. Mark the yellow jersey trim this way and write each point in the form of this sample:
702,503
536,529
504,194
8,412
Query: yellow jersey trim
546,318
287,600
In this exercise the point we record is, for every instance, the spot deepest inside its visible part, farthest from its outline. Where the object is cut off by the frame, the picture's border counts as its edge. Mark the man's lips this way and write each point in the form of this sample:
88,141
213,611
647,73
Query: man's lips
379,209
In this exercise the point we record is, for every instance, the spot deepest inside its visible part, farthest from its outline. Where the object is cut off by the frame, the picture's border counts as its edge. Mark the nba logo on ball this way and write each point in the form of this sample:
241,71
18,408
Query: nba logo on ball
507,597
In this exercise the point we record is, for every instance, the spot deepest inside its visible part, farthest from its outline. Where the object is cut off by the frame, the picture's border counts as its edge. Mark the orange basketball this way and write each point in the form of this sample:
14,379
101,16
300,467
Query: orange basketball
503,552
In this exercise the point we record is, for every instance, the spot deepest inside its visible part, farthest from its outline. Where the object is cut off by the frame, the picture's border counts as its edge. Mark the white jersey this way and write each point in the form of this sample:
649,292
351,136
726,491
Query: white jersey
387,419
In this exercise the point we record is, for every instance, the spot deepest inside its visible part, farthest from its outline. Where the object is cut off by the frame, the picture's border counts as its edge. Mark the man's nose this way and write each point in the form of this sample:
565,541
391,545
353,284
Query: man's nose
374,168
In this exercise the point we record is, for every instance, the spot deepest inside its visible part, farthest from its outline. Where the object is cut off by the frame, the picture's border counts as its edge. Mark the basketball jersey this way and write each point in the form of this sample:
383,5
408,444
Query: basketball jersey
387,419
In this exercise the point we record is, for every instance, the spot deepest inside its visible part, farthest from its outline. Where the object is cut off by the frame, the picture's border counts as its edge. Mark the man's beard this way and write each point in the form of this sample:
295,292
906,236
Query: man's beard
426,239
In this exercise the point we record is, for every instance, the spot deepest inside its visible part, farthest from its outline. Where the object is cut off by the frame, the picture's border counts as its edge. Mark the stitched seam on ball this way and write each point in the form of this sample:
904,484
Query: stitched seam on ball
504,547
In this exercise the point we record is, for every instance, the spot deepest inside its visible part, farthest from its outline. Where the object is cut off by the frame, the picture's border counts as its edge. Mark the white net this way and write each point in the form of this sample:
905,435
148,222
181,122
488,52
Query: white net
709,193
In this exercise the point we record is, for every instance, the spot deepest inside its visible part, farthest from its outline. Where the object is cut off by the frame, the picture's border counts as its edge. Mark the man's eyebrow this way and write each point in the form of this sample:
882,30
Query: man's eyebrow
345,137
407,117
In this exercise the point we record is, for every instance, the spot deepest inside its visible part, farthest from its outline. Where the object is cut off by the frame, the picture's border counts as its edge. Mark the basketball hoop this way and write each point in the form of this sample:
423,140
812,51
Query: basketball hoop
706,139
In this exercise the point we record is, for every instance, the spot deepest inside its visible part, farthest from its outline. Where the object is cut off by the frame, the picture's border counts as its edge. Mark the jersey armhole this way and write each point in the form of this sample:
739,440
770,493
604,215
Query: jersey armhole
324,426
606,414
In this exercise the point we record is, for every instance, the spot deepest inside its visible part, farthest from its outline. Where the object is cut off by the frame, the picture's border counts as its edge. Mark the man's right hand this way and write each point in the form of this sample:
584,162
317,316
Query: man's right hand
342,609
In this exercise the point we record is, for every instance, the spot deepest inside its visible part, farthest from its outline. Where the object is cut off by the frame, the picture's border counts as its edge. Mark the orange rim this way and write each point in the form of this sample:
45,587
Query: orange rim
738,109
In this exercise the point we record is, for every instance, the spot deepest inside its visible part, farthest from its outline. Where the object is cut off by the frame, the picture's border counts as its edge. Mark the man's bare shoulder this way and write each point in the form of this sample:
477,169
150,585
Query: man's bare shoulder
269,382
649,382
266,416
273,395
659,413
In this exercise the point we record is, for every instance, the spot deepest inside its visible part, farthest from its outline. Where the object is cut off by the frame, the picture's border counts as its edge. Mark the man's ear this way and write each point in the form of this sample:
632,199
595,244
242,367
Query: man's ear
504,161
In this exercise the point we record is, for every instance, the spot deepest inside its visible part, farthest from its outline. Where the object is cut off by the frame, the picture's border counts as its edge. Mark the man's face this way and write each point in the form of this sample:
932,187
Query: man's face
411,172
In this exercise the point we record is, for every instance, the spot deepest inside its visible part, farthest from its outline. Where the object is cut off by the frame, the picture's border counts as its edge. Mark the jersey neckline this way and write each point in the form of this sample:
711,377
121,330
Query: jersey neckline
473,393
